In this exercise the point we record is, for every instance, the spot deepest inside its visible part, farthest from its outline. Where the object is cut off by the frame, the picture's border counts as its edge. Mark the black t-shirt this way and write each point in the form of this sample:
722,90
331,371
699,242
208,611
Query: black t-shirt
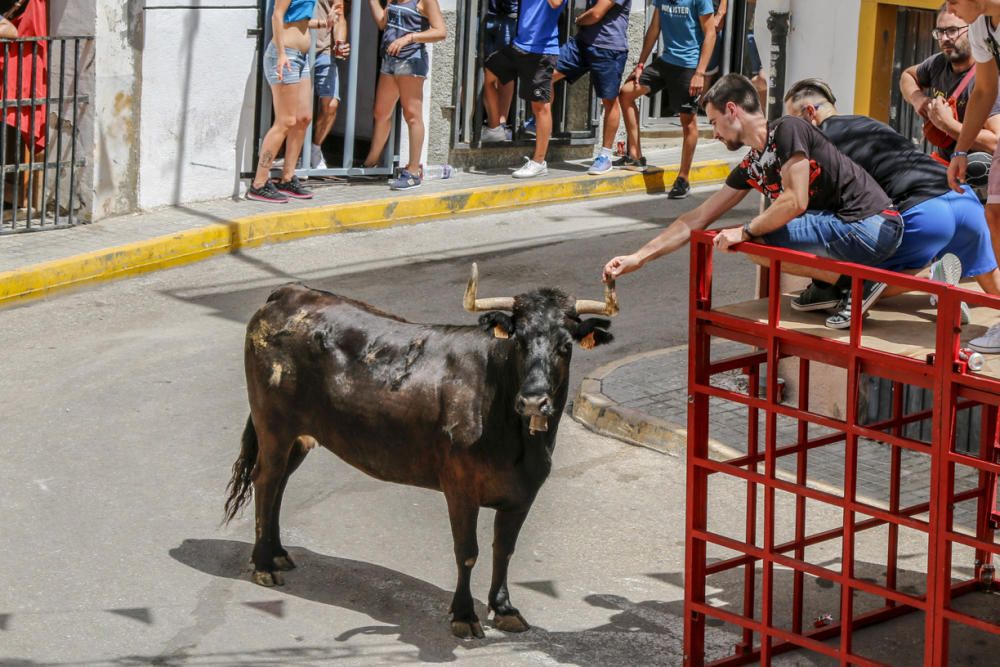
907,175
835,183
937,79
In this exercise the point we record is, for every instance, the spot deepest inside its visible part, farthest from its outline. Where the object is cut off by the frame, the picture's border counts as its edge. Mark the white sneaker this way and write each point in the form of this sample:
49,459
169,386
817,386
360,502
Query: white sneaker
316,159
989,342
531,169
493,134
948,270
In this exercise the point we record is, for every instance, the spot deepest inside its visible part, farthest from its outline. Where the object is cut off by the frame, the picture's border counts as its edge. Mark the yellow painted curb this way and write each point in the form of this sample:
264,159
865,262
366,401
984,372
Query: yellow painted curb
196,244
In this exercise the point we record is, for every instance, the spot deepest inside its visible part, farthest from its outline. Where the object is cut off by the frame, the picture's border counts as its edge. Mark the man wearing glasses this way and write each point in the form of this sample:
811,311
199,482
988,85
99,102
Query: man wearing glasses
929,85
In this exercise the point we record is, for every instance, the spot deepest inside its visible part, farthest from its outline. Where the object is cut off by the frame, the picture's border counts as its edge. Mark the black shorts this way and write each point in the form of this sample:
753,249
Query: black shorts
533,71
675,81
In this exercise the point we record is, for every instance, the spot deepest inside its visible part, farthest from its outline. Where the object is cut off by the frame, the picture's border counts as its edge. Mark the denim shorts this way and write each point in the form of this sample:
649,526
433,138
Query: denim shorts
327,76
414,65
499,32
299,65
605,66
870,241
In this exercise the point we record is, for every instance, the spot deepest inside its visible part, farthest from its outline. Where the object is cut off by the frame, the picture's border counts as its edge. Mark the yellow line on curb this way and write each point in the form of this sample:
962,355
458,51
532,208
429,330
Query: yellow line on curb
193,245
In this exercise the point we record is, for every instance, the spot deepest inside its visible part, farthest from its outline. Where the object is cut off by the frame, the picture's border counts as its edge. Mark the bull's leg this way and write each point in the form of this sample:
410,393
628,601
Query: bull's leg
463,514
267,480
506,527
282,561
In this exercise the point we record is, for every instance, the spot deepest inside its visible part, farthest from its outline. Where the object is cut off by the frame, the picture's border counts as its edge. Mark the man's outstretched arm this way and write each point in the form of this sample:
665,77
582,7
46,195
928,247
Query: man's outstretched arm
678,233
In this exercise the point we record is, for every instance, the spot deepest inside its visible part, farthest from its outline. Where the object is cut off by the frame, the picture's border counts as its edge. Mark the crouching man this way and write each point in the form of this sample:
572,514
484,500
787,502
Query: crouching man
940,226
823,203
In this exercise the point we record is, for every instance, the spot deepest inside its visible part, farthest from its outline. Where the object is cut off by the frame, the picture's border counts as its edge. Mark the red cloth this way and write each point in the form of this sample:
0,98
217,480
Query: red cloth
33,22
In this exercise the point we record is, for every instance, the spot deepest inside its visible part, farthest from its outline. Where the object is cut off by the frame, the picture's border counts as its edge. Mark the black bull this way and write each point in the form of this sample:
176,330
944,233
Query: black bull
471,411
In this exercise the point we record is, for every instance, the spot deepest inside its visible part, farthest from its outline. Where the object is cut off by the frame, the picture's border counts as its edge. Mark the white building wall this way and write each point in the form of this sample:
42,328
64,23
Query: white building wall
822,42
199,71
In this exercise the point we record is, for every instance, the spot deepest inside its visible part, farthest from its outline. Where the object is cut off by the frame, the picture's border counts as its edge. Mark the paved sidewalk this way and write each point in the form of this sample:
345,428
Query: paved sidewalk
642,399
34,264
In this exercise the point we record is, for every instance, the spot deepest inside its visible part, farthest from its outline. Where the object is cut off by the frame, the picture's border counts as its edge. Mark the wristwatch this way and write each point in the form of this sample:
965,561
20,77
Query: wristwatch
747,233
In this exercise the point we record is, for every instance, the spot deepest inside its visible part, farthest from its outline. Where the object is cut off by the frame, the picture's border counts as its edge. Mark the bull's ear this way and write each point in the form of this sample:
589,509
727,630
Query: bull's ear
593,332
500,324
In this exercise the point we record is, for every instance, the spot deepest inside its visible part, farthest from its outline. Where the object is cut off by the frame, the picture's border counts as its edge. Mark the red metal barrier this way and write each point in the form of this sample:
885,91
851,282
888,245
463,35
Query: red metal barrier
758,550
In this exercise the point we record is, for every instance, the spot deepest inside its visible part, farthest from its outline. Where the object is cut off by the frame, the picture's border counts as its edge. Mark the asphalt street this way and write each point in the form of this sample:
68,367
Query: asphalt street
123,405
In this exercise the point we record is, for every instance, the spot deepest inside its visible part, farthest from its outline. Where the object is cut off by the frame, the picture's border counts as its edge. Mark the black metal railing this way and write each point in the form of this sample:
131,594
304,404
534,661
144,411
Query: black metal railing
40,161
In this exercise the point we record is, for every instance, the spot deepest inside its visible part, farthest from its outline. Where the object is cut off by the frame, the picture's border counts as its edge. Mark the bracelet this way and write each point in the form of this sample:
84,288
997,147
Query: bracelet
964,154
746,230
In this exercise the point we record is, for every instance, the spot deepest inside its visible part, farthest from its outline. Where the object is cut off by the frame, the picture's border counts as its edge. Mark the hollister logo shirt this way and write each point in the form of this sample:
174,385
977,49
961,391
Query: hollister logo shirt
680,30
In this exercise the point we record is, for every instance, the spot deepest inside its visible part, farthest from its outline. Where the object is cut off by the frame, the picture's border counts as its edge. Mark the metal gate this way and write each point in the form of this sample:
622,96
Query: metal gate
351,133
947,513
914,44
468,112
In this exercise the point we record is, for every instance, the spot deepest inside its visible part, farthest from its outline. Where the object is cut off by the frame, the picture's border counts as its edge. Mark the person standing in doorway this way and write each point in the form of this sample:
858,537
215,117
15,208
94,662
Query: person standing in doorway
331,45
407,26
601,48
286,67
499,30
531,58
688,31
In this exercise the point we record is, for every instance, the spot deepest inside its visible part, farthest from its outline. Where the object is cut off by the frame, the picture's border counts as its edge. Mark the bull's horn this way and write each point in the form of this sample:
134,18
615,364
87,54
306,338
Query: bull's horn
472,304
609,307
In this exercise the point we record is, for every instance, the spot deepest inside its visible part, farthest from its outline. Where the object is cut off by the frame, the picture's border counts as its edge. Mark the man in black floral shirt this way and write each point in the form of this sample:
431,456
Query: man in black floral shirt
822,203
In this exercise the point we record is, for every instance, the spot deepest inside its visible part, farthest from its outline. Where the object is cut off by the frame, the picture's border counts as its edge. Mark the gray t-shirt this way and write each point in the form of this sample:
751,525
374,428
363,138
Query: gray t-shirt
611,32
937,79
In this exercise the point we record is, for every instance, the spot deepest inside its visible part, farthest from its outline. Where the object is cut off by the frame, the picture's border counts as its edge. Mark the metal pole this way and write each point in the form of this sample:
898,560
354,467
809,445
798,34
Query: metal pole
76,103
352,86
29,188
59,122
48,129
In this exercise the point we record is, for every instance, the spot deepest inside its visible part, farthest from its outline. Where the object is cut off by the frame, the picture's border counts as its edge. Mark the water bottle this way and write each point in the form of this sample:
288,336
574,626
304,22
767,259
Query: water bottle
433,171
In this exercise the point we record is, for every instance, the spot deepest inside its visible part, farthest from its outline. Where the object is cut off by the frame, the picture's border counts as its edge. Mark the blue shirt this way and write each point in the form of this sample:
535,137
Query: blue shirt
299,10
538,27
611,32
680,29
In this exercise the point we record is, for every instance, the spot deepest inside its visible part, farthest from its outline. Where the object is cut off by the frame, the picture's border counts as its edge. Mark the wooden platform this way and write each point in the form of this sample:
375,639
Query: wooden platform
903,324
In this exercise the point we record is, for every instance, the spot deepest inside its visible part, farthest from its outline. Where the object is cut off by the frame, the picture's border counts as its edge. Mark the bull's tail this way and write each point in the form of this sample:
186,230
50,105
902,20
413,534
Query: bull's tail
241,483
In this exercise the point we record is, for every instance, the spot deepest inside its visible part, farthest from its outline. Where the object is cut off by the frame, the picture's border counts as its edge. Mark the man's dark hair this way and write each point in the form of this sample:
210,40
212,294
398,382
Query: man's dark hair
809,88
734,88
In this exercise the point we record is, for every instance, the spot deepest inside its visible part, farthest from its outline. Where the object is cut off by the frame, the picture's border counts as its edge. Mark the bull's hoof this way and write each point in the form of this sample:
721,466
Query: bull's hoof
511,623
284,563
464,630
268,579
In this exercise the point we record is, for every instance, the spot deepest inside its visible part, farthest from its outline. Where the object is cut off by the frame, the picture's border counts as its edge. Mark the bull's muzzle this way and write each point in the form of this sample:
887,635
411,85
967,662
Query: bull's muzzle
538,408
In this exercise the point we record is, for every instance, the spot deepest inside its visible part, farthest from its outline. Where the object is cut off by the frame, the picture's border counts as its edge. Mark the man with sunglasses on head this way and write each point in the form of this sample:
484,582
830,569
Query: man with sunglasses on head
942,229
951,74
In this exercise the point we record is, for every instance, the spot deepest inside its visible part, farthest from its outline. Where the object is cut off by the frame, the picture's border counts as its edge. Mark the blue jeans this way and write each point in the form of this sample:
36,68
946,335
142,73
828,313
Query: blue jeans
326,76
870,241
605,66
416,64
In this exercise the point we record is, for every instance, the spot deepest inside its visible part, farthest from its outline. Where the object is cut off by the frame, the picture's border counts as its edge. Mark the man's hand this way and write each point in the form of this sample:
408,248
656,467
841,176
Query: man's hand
939,112
727,238
636,73
697,84
342,50
619,266
956,172
924,107
283,64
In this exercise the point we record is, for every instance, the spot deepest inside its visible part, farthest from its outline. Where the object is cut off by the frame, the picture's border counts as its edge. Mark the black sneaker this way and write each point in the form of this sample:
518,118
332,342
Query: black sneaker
680,190
634,164
842,318
294,188
266,192
818,296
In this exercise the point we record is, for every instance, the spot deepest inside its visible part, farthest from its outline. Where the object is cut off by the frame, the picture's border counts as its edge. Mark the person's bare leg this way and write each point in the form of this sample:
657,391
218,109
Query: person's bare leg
689,125
993,221
627,97
297,135
386,96
324,121
506,96
543,129
612,118
491,97
284,120
990,281
411,94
